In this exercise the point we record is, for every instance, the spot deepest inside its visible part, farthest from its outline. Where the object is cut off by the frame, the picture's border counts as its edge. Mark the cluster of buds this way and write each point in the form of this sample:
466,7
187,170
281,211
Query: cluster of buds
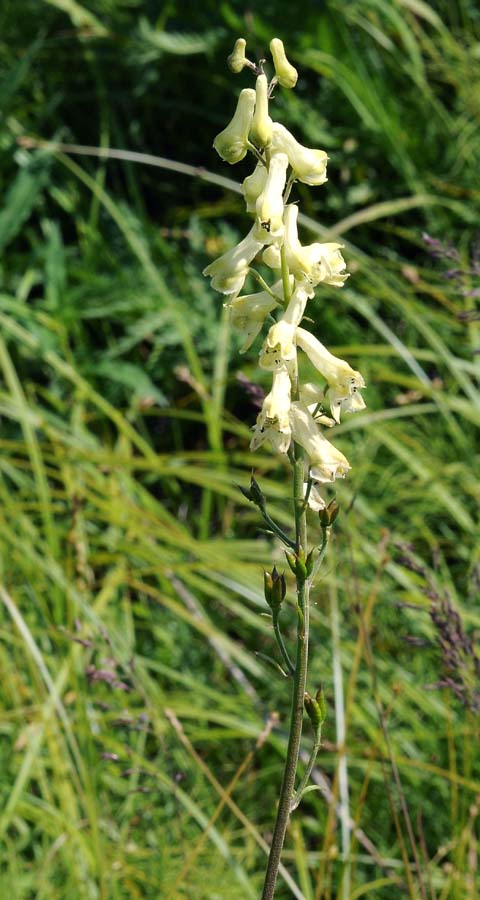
291,411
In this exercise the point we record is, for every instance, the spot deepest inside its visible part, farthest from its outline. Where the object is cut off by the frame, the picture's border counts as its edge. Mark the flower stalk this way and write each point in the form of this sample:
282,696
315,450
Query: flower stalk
294,415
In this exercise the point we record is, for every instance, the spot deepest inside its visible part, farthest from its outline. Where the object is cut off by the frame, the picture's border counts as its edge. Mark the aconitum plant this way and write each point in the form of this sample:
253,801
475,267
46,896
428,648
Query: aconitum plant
295,417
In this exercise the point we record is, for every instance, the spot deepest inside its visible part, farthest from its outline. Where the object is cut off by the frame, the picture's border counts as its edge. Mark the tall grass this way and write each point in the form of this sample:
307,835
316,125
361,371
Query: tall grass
131,565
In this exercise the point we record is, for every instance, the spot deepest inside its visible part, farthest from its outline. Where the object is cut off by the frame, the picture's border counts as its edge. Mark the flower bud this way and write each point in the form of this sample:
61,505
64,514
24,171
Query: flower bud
292,561
231,143
275,588
237,59
262,125
286,73
256,493
315,708
309,562
328,515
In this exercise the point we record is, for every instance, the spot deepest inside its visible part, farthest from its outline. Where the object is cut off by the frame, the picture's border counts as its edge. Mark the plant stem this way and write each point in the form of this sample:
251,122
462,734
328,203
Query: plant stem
298,691
308,771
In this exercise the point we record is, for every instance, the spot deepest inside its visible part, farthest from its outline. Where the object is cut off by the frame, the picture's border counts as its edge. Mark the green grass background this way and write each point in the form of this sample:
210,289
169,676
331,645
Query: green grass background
131,565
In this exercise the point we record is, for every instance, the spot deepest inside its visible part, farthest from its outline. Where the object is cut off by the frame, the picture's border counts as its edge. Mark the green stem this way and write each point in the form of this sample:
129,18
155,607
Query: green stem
308,771
299,680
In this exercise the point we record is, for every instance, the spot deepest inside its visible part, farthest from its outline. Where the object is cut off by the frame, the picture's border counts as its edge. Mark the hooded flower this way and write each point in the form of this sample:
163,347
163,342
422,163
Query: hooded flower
230,270
279,345
311,264
273,422
310,166
344,382
237,59
253,186
249,312
326,462
286,74
262,125
269,205
231,143
315,499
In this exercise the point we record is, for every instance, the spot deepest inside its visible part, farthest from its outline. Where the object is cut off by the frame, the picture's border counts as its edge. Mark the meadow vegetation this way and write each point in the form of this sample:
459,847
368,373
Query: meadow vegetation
140,754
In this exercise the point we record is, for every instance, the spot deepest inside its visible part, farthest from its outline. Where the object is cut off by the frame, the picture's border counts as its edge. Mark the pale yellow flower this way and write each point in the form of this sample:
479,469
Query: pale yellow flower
237,59
269,205
229,271
286,74
326,462
262,125
249,312
232,143
253,186
310,166
279,346
310,264
273,422
344,382
315,499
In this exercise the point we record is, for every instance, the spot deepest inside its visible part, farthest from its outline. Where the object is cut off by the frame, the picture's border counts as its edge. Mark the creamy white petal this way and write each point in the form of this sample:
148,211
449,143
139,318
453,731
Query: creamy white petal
249,312
253,186
343,381
313,263
286,74
262,125
326,462
279,346
310,166
269,206
229,271
273,421
315,499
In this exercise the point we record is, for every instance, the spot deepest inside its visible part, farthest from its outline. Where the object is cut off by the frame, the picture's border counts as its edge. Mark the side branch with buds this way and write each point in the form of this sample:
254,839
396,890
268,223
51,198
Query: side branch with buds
295,415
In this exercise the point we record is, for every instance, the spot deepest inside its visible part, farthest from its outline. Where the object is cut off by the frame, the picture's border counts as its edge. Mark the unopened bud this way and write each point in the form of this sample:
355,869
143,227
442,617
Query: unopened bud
315,708
301,564
262,126
237,59
275,588
286,73
328,515
298,563
292,561
256,494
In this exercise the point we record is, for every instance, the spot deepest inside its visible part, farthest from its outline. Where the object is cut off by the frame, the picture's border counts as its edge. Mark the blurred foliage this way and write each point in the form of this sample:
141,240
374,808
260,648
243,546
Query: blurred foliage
130,562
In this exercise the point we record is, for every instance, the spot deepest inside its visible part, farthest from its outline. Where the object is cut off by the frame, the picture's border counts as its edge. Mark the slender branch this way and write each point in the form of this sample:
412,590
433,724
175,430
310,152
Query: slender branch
281,645
256,152
265,286
277,530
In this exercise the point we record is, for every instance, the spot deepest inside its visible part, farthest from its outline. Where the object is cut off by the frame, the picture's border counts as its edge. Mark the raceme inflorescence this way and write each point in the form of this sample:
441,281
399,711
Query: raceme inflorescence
291,411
